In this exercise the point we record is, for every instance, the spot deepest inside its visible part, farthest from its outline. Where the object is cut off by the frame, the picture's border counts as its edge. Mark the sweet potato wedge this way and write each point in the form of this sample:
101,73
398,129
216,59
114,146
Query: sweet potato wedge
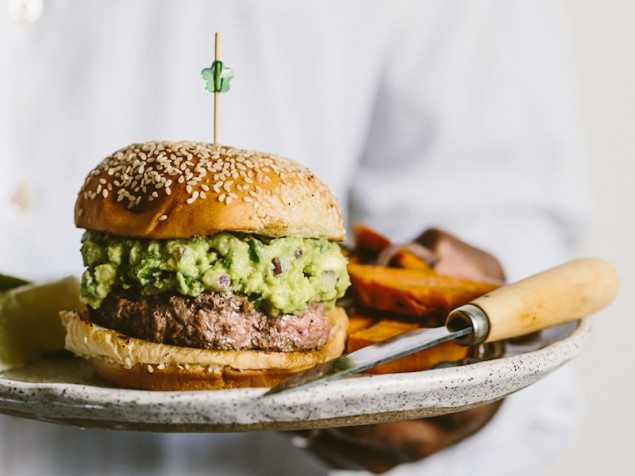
411,291
407,259
368,242
357,322
421,360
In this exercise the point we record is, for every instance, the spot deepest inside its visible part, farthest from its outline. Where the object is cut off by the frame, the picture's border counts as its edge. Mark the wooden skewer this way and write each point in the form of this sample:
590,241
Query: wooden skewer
217,39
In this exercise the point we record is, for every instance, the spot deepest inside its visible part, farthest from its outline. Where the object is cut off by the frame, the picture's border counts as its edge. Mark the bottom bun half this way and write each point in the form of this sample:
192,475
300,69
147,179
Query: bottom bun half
134,363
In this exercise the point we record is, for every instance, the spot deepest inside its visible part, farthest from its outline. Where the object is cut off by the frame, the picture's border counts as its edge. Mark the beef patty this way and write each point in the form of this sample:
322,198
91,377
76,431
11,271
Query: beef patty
211,321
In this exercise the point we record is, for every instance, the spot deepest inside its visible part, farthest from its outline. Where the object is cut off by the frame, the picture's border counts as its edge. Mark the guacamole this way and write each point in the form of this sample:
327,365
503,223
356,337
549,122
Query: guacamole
281,275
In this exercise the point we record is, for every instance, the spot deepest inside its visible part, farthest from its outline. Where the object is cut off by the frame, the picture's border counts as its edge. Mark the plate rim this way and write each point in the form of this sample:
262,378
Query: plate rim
81,396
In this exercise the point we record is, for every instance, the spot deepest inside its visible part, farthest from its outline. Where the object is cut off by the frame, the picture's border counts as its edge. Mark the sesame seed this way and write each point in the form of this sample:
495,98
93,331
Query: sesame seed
163,217
150,368
141,171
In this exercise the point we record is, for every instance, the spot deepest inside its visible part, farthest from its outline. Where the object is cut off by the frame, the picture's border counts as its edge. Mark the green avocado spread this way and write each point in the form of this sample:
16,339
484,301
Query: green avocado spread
279,275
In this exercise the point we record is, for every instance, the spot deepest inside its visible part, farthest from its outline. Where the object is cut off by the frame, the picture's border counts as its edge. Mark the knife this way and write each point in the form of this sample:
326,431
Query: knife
562,294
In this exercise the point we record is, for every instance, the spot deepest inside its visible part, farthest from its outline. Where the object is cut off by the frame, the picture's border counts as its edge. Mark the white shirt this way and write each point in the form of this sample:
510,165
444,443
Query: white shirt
416,113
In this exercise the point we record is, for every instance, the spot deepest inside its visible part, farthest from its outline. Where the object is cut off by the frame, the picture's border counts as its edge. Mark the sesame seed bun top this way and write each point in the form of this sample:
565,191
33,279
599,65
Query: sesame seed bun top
167,190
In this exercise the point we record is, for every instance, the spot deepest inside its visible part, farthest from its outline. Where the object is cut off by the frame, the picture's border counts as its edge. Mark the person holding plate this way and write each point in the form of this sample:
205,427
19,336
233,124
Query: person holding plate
459,116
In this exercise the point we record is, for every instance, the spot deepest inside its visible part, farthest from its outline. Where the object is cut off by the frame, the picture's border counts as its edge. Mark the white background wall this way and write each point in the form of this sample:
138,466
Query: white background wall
604,44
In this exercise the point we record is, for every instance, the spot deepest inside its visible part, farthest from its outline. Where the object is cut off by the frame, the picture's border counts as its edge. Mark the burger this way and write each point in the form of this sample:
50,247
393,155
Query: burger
207,266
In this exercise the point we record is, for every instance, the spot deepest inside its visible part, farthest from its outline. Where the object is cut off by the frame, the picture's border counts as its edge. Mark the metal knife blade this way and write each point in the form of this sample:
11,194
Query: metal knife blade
370,356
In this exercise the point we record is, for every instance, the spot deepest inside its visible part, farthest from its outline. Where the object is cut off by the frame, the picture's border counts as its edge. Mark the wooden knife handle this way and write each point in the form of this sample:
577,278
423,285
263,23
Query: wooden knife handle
561,294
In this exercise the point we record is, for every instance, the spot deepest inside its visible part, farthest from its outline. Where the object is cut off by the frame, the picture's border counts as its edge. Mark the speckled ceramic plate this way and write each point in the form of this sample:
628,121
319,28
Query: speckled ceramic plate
65,390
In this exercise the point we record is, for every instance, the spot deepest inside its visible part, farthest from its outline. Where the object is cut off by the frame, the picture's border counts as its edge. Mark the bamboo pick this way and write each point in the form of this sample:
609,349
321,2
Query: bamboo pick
217,40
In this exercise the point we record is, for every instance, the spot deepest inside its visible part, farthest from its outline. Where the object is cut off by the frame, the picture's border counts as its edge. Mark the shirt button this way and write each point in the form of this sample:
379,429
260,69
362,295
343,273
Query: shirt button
21,198
25,12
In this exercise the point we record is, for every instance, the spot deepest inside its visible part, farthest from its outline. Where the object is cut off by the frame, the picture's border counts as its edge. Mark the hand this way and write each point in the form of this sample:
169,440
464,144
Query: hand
457,258
378,448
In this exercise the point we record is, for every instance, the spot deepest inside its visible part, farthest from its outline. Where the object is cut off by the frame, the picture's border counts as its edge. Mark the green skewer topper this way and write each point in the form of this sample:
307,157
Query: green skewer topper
217,78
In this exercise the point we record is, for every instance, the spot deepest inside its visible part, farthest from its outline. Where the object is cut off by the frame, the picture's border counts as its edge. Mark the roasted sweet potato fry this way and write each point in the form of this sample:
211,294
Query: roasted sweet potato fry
422,360
369,243
411,291
407,259
354,259
357,322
